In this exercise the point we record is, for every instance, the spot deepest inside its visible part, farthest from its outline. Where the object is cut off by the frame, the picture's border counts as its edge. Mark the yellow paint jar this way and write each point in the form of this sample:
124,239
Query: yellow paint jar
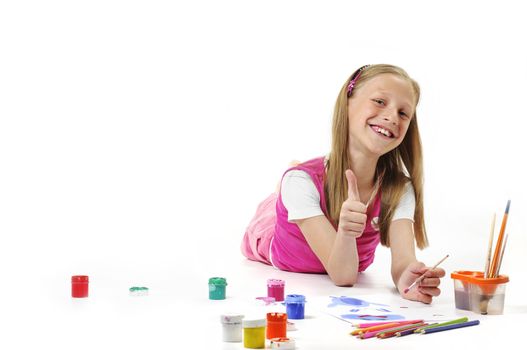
254,333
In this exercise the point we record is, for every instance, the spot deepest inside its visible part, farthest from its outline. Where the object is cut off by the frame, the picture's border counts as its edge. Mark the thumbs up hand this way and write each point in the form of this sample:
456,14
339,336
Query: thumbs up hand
352,219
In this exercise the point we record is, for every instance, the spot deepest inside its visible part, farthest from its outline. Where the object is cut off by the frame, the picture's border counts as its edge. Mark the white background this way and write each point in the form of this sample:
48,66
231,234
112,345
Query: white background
137,137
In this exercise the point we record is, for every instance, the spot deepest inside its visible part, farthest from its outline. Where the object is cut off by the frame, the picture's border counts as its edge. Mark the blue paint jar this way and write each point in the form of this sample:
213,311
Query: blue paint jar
294,304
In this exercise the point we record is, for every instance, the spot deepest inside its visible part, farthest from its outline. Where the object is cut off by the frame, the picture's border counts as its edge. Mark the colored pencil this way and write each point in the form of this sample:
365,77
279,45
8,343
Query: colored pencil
449,327
372,334
388,333
420,278
371,324
497,250
408,331
459,320
489,251
383,326
374,328
368,335
501,255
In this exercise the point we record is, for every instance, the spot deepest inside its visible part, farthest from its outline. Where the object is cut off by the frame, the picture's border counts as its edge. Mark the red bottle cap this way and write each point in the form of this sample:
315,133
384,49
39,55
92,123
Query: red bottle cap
79,278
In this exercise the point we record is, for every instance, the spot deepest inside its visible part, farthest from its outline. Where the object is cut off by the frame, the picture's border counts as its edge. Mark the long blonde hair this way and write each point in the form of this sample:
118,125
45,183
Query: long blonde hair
394,169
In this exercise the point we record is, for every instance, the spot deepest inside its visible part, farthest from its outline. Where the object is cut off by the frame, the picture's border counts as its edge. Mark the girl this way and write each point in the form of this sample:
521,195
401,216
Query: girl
330,213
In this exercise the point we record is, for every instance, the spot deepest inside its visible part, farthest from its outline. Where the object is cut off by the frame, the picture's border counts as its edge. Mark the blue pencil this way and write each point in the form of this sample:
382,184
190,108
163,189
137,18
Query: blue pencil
450,326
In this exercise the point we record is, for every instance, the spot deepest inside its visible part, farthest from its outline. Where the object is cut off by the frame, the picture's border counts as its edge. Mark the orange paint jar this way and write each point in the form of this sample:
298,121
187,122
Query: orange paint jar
276,325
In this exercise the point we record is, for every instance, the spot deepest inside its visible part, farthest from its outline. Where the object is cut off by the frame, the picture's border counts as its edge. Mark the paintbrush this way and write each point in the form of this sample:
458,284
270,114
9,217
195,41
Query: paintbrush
489,252
497,250
423,275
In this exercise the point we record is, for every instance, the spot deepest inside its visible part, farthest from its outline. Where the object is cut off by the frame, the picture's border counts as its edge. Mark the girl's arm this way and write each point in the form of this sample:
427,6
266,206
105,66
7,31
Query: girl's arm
336,251
405,267
401,238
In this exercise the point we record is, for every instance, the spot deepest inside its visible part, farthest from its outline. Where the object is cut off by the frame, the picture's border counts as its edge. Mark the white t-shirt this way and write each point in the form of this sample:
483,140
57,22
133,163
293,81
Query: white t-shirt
302,200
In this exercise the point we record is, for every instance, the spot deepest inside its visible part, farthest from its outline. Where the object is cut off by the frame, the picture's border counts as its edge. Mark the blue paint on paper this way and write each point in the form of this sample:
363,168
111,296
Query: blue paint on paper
383,310
390,317
351,301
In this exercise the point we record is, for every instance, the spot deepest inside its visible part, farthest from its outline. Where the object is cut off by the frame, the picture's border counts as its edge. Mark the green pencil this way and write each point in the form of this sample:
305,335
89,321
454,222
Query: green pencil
459,320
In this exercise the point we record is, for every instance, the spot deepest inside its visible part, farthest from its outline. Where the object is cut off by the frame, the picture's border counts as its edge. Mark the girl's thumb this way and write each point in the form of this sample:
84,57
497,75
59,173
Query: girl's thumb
353,190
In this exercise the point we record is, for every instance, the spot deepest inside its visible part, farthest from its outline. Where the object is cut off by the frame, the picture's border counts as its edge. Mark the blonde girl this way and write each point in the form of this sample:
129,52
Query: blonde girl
330,213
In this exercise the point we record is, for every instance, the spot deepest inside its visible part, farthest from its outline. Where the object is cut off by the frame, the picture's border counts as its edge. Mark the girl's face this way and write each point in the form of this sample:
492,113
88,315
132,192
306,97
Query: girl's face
379,114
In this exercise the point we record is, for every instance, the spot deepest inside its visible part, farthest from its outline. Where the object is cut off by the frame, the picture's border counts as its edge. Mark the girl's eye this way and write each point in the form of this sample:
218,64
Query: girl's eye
381,102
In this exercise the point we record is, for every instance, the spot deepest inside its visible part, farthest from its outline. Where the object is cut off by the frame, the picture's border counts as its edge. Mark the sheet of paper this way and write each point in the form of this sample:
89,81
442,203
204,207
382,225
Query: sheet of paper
383,307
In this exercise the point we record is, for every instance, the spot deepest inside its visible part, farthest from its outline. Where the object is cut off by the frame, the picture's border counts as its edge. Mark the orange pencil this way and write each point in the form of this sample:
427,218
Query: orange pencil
385,325
497,250
374,328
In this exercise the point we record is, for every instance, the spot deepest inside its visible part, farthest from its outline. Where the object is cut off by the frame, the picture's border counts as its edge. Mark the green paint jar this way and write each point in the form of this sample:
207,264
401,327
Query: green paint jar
217,288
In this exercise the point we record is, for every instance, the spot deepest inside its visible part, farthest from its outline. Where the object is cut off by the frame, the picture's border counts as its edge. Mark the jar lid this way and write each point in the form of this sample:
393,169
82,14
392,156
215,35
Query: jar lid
231,318
282,343
79,278
295,298
260,322
218,281
275,283
276,316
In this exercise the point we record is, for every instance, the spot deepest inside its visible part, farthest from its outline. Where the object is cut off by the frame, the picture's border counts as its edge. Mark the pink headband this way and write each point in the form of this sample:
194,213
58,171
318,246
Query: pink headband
355,77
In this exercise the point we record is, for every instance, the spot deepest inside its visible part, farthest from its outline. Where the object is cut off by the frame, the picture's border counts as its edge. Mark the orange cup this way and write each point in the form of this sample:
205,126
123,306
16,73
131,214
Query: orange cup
476,293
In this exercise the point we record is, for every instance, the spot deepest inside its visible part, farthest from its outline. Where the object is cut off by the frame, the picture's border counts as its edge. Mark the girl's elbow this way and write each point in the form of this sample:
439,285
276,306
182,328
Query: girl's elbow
344,281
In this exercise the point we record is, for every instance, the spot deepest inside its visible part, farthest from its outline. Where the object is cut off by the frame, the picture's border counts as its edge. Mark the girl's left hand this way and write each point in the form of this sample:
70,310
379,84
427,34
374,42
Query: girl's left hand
424,290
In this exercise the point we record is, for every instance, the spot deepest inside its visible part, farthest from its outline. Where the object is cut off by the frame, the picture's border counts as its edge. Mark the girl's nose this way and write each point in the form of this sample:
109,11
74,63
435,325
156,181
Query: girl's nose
391,116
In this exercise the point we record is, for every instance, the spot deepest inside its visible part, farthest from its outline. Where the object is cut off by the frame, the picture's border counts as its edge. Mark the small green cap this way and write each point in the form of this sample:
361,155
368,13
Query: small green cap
218,281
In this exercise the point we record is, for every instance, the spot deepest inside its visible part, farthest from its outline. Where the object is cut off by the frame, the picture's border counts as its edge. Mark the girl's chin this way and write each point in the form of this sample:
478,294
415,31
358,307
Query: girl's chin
379,151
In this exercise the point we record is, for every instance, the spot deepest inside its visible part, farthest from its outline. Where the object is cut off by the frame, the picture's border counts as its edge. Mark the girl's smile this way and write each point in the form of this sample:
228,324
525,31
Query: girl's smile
383,131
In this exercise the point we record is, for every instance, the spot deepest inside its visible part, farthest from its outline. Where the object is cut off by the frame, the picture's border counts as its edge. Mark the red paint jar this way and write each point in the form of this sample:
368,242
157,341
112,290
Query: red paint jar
79,286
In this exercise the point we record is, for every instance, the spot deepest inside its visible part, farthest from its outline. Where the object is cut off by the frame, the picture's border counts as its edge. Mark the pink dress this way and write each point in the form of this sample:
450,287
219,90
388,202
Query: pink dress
271,239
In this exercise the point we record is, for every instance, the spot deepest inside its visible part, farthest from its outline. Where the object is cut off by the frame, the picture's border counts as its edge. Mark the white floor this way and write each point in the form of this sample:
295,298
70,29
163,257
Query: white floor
178,314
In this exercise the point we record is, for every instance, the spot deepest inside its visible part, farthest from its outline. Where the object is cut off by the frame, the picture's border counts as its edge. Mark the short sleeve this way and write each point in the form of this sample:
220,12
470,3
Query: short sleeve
406,207
300,195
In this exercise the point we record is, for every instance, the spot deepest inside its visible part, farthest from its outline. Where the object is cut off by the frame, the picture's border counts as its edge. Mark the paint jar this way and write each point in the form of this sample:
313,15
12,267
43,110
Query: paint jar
275,289
232,327
282,343
474,292
254,333
217,288
276,325
295,306
79,286
138,291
